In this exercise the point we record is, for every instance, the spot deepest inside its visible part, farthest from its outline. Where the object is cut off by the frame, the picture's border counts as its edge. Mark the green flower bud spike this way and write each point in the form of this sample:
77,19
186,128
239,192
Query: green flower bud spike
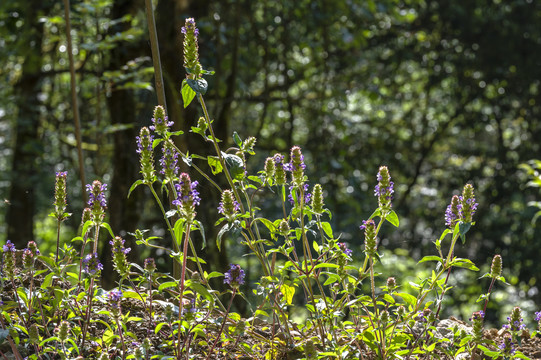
146,158
269,170
297,166
317,199
496,268
279,170
370,242
468,203
229,207
283,228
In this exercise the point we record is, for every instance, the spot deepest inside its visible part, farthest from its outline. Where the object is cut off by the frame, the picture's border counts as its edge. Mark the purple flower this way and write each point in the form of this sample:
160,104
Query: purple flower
169,160
150,265
344,248
160,121
96,196
187,196
478,315
537,315
507,346
9,246
144,143
234,276
118,245
228,206
114,295
189,25
384,189
92,264
307,195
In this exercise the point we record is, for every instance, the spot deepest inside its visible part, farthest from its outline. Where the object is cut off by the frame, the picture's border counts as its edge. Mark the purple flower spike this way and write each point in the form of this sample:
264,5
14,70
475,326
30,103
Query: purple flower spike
234,276
92,264
8,247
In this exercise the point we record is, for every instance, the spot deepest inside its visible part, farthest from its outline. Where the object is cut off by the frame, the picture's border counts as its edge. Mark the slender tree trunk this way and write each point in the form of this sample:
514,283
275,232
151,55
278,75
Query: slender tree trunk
122,105
28,149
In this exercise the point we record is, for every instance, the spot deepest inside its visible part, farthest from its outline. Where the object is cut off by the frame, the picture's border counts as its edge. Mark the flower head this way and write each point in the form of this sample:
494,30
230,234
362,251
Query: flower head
145,151
63,331
92,265
60,196
187,197
294,195
317,199
515,321
477,320
119,255
269,170
9,259
452,214
496,267
279,170
507,346
384,189
297,166
96,200
160,121
191,49
169,161
8,247
228,206
114,296
234,276
345,249
469,206
370,241
150,265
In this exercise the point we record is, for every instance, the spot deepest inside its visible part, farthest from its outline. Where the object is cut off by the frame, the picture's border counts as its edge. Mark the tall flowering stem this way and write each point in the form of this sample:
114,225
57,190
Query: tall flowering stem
234,277
97,205
146,158
93,268
60,204
495,274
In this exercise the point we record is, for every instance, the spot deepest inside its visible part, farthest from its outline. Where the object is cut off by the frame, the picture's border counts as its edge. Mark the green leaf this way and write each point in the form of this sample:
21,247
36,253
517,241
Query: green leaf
288,292
463,229
327,265
167,285
134,185
392,218
202,231
237,139
215,165
108,227
464,263
200,86
200,289
430,258
409,299
267,223
235,165
375,213
220,235
327,229
187,93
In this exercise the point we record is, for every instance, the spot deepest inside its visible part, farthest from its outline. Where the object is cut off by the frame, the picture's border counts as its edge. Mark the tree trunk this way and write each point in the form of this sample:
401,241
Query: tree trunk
28,149
123,211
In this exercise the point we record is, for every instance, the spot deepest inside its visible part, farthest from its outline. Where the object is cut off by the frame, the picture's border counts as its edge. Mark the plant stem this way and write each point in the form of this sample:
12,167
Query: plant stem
57,238
223,324
153,36
182,279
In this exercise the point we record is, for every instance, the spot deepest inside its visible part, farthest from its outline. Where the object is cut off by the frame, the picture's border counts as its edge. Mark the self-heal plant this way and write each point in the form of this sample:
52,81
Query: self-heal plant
146,157
60,204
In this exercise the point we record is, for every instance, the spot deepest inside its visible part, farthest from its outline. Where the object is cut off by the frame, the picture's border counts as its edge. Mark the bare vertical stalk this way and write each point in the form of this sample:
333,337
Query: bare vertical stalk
75,104
153,36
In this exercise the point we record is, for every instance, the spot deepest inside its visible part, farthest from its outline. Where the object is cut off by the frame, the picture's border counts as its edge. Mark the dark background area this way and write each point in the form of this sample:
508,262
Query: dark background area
443,93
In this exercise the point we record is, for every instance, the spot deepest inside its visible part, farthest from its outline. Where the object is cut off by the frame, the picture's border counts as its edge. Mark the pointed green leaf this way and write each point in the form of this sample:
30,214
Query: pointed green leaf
187,93
327,229
237,139
134,185
392,218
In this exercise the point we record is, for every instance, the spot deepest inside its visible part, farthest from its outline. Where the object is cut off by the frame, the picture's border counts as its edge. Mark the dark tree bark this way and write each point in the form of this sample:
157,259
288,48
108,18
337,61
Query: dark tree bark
27,147
122,105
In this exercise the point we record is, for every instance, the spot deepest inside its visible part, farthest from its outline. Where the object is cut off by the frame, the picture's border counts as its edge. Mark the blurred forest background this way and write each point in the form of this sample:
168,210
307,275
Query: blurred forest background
442,92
